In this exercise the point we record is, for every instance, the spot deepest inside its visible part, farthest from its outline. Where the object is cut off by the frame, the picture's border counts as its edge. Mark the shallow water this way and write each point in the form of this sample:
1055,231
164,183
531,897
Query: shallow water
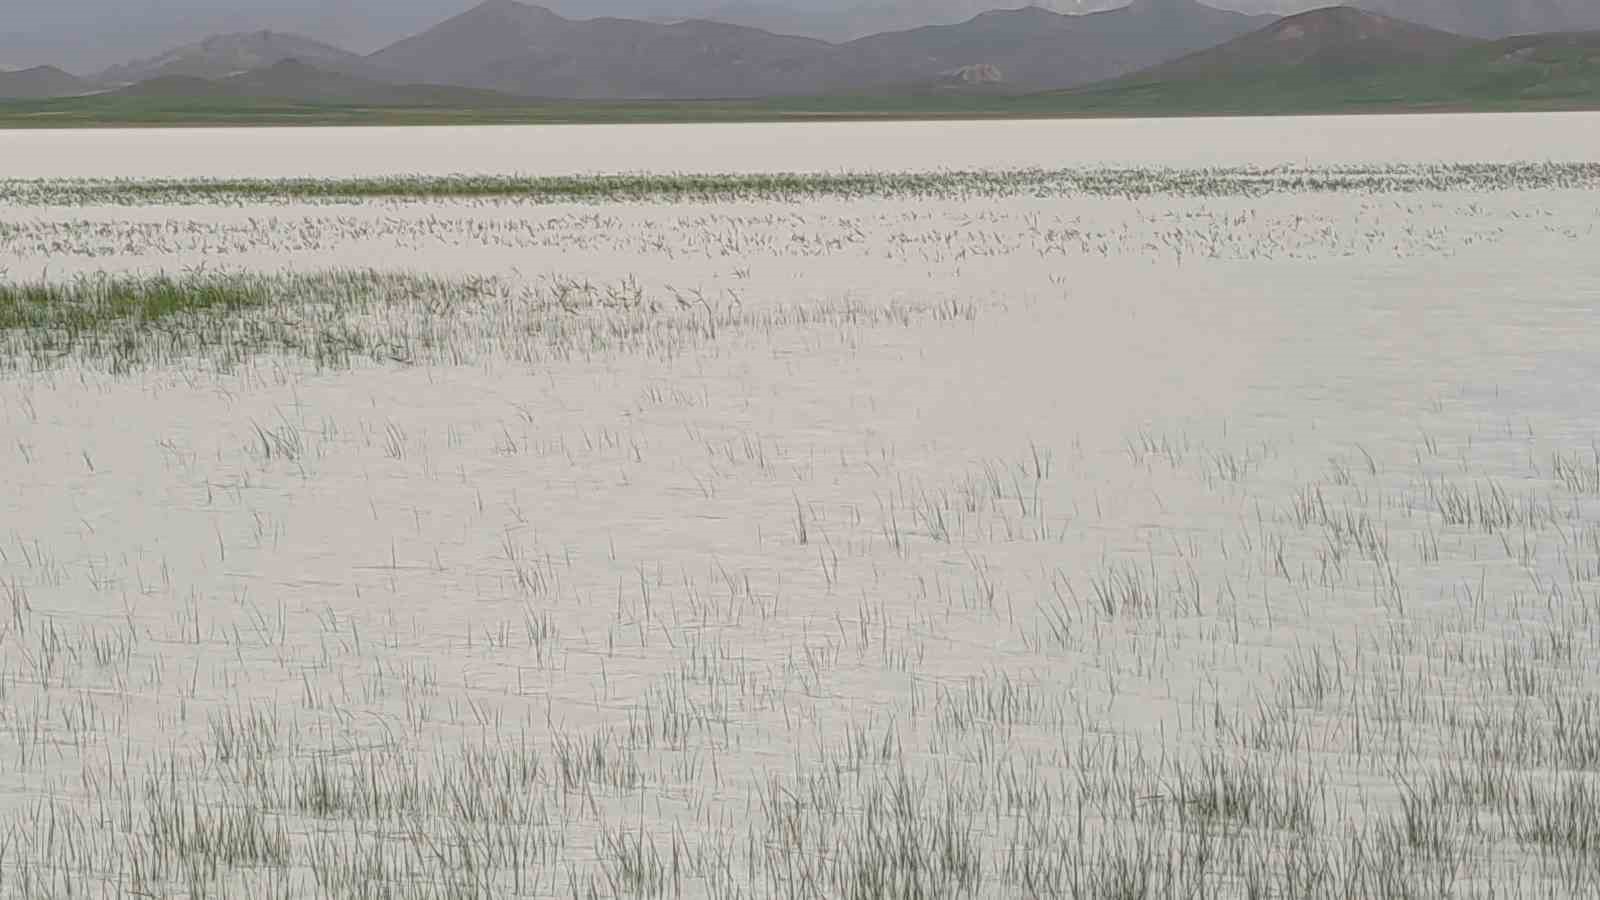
797,147
1044,497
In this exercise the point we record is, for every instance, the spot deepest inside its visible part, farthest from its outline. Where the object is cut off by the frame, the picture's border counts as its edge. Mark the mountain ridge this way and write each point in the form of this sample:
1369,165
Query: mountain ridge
514,47
1330,38
1350,59
1161,56
88,36
221,55
41,83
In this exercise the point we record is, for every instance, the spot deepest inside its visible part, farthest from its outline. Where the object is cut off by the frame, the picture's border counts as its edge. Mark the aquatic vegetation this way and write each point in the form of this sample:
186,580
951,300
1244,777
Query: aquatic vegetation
795,187
734,538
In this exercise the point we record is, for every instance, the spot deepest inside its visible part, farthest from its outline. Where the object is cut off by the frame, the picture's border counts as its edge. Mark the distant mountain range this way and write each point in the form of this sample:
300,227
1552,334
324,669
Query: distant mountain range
1160,55
230,54
525,50
1329,42
848,20
514,48
87,36
1475,18
84,36
1035,49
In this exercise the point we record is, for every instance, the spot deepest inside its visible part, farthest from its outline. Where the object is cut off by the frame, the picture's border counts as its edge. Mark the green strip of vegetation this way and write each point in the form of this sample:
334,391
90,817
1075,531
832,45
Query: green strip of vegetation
132,320
1129,182
89,304
1110,101
335,318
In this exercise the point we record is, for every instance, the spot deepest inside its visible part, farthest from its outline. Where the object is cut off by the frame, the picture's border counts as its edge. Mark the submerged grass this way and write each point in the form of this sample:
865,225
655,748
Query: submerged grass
920,716
130,321
89,304
337,317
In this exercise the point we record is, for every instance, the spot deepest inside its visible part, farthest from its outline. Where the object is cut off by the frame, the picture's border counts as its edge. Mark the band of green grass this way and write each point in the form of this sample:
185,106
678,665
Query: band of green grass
91,303
335,317
1116,182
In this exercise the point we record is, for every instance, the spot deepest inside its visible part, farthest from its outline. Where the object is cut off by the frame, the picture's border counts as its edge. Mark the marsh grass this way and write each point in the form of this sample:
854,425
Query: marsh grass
795,186
133,320
335,318
90,304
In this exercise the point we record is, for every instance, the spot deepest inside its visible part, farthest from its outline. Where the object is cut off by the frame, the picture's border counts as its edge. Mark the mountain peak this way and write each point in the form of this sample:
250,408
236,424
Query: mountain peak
487,34
40,83
513,8
1331,40
1336,23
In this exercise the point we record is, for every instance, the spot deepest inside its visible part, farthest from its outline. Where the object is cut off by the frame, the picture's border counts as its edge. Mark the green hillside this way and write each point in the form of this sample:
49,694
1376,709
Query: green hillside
1344,60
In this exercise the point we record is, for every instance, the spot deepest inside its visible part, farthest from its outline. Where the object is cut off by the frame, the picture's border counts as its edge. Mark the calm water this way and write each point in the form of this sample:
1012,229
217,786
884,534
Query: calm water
896,146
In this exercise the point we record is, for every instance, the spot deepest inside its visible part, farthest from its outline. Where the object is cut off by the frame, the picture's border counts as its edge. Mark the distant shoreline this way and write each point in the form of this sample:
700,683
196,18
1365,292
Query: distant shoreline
30,117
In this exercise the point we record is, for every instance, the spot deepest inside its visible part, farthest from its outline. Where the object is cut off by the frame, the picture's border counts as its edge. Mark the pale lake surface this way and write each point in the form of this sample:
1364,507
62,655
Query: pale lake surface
797,147
935,546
